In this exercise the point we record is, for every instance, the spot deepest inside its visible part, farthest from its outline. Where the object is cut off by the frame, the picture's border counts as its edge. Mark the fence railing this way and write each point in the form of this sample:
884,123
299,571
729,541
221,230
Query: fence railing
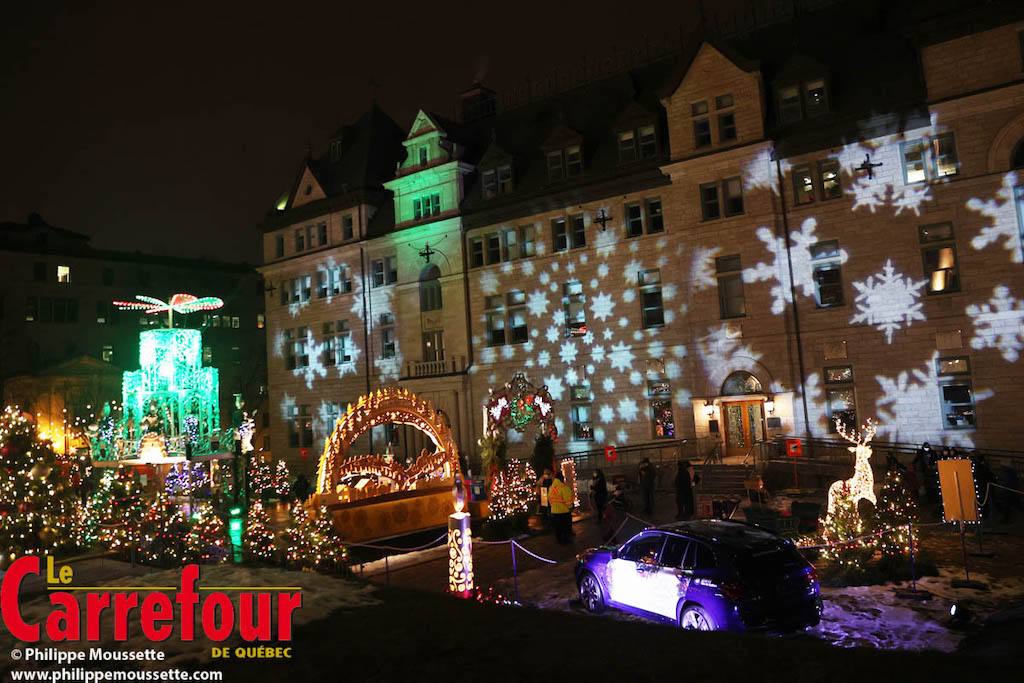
433,368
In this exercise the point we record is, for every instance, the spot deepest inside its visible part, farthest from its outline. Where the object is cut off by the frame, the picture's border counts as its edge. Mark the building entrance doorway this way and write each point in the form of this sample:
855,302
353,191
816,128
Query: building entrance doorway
744,426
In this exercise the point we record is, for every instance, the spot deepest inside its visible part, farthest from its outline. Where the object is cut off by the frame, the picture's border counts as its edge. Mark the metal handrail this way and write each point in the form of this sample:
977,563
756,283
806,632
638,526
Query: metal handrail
717,448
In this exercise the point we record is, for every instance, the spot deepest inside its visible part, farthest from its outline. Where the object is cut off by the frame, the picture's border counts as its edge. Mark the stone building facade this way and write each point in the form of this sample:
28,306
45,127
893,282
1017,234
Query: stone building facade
753,238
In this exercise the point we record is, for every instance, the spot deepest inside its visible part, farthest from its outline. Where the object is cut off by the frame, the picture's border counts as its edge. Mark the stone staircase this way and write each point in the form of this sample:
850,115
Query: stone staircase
723,480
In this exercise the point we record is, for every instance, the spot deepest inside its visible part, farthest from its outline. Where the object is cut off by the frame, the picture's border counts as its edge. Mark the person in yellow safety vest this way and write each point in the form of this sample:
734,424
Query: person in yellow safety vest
561,499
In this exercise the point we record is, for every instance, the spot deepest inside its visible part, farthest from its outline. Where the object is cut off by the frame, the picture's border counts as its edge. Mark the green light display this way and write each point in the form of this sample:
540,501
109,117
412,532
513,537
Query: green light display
172,393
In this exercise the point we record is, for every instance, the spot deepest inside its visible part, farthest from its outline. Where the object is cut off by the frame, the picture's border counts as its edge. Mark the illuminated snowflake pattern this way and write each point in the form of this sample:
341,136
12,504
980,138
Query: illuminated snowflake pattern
1003,213
778,270
315,368
606,414
889,301
601,306
999,324
538,303
628,410
555,387
621,357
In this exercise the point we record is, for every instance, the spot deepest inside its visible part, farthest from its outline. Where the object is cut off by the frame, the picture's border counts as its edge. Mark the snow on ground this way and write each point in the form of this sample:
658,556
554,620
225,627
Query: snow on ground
869,616
321,595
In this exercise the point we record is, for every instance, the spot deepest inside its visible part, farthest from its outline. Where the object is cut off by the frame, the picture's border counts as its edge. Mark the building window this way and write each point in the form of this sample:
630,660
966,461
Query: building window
385,271
388,345
659,395
433,346
575,310
301,348
527,241
709,201
489,182
955,393
108,277
578,236
64,275
814,96
732,188
107,353
517,317
655,219
723,101
430,290
495,313
702,132
938,252
563,238
321,234
803,184
337,343
726,127
293,427
634,220
929,158
300,239
101,312
826,260
582,414
208,355
31,309
651,311
423,155
648,142
39,271
840,403
565,163
476,252
627,146
828,174
497,181
261,321
731,302
426,206
333,281
346,227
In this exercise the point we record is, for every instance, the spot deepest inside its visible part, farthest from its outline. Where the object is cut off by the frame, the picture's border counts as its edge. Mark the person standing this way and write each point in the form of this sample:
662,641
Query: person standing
561,500
647,478
684,491
544,489
599,493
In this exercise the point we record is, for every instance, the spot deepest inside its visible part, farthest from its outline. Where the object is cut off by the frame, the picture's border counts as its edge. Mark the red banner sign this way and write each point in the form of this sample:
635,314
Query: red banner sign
609,454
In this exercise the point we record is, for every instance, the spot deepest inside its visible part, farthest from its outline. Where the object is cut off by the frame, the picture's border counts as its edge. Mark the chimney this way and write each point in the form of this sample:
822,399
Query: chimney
478,102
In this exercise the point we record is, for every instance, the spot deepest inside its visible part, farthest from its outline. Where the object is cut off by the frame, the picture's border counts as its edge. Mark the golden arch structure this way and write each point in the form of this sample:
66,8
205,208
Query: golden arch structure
371,496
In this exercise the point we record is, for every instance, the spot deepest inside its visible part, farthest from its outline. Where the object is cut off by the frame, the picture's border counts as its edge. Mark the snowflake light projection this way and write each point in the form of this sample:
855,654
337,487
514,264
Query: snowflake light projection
315,367
999,324
884,186
888,302
910,409
722,347
778,270
1005,223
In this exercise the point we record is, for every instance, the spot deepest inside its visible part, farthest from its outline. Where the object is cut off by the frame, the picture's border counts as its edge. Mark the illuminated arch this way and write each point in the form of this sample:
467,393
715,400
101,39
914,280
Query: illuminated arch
388,405
1000,152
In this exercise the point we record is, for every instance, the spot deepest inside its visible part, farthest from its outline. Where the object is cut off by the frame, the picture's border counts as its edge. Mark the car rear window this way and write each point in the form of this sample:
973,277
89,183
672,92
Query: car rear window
769,561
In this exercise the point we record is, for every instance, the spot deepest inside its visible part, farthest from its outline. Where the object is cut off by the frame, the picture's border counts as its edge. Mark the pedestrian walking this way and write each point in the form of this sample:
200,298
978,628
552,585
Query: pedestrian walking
647,479
599,494
544,491
561,500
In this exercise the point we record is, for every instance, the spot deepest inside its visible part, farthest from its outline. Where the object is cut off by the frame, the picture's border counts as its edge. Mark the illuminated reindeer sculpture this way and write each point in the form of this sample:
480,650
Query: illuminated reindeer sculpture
862,483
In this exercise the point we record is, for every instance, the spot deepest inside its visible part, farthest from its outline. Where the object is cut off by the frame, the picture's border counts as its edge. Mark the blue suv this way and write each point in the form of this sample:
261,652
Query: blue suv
706,575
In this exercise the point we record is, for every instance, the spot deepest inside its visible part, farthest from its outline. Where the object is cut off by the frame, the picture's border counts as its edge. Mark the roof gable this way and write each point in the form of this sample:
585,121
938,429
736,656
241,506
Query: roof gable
307,189
560,136
424,123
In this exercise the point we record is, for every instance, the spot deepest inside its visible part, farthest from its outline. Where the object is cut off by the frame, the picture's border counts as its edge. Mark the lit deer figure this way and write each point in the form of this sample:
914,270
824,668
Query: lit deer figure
862,483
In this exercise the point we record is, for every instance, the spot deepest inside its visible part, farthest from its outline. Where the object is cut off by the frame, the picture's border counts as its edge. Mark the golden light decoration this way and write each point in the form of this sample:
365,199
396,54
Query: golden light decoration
862,484
460,555
152,447
384,406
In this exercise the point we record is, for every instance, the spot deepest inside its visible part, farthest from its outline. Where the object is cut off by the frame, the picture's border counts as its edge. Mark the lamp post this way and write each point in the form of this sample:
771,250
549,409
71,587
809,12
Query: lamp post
460,545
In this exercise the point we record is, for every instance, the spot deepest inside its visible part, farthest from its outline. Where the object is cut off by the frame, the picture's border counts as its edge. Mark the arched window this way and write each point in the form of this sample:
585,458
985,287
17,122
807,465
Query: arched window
1017,158
430,289
740,383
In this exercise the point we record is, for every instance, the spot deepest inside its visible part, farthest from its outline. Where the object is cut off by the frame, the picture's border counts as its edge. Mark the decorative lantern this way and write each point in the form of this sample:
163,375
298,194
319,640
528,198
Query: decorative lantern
460,545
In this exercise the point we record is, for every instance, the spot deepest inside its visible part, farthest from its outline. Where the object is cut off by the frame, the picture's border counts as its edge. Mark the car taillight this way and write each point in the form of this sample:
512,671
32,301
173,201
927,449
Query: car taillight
735,590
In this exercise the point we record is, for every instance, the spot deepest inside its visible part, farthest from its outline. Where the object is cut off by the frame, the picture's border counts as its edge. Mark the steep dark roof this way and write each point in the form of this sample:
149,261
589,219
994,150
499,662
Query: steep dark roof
370,148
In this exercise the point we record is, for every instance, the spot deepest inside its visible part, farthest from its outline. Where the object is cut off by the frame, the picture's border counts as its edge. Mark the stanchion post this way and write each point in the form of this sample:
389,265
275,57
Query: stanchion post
515,573
387,570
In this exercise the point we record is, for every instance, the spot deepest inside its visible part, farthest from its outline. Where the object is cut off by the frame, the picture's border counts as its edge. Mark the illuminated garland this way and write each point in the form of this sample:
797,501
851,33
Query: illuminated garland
841,530
896,509
116,503
512,490
260,479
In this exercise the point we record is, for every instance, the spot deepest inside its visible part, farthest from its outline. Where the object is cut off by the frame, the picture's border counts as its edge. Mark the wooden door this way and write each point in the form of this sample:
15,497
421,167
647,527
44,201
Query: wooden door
744,426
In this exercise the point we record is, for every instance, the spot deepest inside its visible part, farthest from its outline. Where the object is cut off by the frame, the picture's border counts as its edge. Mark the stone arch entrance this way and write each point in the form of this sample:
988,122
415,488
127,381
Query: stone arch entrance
742,400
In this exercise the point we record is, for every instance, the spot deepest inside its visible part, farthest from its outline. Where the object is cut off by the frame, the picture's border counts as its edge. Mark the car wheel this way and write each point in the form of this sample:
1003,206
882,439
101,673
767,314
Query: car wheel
694,618
591,593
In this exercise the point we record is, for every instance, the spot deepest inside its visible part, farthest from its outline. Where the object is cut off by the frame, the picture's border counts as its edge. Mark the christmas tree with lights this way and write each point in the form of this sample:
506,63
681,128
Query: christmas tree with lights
259,539
328,555
298,538
205,541
261,483
838,531
282,480
37,506
116,508
896,509
512,490
162,532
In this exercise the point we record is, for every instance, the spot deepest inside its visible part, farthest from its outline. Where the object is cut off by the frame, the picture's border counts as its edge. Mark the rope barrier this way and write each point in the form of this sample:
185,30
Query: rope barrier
391,547
988,490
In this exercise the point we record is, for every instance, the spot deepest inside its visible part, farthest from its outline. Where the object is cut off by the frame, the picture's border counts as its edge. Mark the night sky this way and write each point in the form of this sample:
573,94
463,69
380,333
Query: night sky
173,130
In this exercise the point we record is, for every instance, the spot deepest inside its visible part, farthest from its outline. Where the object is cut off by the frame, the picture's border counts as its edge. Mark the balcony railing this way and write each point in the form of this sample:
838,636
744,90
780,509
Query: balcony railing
432,368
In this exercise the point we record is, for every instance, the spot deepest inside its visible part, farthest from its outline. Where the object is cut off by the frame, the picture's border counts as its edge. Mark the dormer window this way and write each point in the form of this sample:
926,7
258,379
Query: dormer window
565,163
497,181
802,100
423,155
335,150
638,143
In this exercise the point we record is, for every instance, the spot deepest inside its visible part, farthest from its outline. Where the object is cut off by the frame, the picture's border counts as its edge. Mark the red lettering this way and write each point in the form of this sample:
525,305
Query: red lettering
261,629
157,607
28,633
68,614
227,616
95,603
187,596
124,603
286,604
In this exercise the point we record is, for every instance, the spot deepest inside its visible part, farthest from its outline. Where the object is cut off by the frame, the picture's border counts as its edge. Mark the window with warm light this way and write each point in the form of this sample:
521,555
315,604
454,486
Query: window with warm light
938,253
64,274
